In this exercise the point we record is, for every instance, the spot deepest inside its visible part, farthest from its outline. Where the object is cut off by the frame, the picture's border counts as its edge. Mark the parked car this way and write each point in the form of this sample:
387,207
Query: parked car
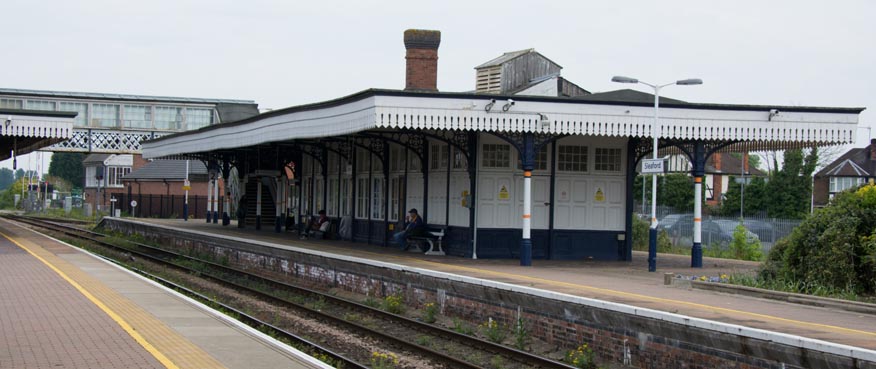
720,232
670,223
764,231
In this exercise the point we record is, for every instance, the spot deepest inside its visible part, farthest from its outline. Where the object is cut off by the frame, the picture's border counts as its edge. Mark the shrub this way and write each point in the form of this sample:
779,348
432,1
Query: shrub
429,313
743,247
834,249
581,357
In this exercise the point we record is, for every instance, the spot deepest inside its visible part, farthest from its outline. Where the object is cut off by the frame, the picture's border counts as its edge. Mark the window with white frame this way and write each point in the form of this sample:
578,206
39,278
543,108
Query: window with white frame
105,115
362,197
396,192
437,156
90,173
307,196
114,175
138,116
607,159
377,198
572,158
81,119
11,103
168,117
345,196
198,117
496,156
541,160
332,206
41,105
839,184
318,190
459,160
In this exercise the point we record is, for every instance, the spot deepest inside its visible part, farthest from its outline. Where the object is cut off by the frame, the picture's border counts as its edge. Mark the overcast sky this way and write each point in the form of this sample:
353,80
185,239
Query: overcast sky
286,53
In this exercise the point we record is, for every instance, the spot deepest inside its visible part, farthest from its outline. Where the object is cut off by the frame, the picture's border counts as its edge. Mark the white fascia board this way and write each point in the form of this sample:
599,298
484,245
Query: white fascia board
119,160
337,120
36,126
581,118
566,118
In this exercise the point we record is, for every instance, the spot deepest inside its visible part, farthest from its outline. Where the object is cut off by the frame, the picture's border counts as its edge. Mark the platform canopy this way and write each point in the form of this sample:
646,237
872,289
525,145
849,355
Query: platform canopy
24,131
746,127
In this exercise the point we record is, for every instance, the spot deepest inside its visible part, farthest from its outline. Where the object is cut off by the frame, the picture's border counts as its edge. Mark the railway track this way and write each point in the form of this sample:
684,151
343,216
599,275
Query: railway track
391,330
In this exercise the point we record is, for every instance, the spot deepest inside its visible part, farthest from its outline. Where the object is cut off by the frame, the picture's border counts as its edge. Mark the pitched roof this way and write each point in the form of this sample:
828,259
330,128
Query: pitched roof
95,158
511,55
627,95
731,165
854,163
167,169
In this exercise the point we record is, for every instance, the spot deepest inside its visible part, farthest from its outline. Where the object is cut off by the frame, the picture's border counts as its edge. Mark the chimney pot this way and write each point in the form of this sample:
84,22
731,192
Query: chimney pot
422,59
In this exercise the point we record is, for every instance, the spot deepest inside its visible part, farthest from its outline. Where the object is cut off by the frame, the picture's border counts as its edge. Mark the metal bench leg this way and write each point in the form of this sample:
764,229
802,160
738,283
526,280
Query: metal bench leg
432,250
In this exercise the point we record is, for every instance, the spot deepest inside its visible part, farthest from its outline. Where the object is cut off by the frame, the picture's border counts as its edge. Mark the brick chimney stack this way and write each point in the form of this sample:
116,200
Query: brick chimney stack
422,59
873,149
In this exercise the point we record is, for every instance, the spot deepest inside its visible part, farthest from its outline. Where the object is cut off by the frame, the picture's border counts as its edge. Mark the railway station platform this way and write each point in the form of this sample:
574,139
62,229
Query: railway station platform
620,282
64,308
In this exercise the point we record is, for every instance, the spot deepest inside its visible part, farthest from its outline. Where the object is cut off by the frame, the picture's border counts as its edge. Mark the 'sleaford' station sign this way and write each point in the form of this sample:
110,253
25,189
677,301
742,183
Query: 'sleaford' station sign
652,166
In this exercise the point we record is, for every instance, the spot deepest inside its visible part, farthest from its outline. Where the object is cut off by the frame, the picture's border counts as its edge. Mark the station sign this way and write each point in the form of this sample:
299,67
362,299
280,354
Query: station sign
653,166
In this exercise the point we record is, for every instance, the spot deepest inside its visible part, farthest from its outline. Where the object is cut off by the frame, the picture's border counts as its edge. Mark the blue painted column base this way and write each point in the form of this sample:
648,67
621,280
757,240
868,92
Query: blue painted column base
696,255
209,216
241,222
258,222
226,220
652,249
525,252
215,217
186,212
278,225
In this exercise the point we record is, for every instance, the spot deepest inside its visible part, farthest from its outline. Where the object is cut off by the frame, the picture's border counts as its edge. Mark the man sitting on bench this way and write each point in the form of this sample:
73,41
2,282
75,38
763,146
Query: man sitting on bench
320,224
413,227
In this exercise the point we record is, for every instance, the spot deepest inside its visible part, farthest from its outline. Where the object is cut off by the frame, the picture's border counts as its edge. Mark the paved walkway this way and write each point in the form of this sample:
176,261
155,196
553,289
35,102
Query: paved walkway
622,282
62,308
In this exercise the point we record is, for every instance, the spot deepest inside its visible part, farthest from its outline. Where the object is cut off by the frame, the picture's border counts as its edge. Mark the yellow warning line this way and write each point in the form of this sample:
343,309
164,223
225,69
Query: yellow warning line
646,297
112,314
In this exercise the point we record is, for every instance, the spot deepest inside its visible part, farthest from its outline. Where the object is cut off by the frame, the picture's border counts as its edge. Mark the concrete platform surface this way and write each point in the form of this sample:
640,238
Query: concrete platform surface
622,282
63,308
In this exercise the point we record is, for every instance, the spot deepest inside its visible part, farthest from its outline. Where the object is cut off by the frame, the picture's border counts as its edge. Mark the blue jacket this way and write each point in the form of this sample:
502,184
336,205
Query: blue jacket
414,226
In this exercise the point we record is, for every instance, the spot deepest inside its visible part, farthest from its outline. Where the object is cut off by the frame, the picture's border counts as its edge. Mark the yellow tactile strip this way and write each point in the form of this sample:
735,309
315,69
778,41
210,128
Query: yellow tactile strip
165,344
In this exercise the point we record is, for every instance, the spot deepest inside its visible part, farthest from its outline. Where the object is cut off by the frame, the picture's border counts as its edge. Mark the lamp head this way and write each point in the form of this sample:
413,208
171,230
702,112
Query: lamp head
689,82
622,79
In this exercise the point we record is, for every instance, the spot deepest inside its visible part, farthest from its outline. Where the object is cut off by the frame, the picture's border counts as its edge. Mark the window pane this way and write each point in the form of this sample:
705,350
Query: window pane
40,105
608,160
81,119
138,116
496,156
197,118
572,158
11,103
105,115
167,117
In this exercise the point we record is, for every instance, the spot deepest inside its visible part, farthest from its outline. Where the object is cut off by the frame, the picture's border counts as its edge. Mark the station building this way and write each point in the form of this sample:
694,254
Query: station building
528,165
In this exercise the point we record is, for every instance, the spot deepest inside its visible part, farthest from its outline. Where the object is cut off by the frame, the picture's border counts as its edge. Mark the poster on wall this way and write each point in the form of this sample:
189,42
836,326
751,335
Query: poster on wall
600,196
503,194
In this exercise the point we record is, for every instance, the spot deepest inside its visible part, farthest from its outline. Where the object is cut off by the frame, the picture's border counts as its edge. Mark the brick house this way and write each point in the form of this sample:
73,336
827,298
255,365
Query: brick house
854,168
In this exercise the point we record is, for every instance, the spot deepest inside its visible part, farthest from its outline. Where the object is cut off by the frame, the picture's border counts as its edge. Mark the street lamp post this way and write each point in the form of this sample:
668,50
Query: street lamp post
655,132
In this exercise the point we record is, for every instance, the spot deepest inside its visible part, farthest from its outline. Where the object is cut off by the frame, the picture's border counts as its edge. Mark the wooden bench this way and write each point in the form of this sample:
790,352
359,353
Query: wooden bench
431,236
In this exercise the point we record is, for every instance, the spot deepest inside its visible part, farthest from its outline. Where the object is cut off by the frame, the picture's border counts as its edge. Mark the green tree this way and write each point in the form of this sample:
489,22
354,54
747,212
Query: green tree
68,166
755,197
789,189
7,176
7,198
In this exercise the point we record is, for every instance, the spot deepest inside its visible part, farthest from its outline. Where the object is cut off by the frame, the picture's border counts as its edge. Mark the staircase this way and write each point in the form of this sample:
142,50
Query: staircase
269,214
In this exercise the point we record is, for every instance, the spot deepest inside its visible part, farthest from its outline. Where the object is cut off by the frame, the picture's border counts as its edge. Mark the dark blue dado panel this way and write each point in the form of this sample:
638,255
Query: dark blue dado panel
360,230
574,245
505,243
457,241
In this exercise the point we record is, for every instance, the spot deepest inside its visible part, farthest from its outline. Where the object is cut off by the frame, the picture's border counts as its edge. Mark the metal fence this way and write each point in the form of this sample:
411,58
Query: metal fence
719,229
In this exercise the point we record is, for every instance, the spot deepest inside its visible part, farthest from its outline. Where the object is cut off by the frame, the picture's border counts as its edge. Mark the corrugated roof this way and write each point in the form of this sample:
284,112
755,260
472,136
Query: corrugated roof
510,56
167,169
107,96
